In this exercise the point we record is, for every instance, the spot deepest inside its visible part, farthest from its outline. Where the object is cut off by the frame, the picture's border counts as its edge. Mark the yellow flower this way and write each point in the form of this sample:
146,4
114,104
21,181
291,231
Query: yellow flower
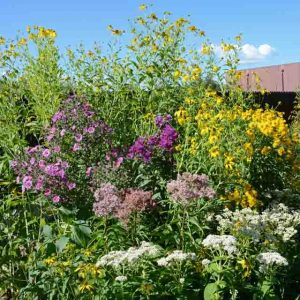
229,162
212,139
115,31
248,148
266,150
66,264
219,100
149,116
215,69
180,22
50,261
192,28
46,33
194,146
250,198
178,147
227,47
2,40
143,7
246,267
22,42
280,151
250,134
214,152
186,78
210,93
235,196
153,16
181,116
238,38
177,74
206,50
154,47
85,286
189,100
182,60
196,73
202,33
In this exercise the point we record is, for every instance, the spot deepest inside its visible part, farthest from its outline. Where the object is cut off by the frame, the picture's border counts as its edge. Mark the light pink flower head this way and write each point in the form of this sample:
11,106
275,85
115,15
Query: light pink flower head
56,199
76,147
46,153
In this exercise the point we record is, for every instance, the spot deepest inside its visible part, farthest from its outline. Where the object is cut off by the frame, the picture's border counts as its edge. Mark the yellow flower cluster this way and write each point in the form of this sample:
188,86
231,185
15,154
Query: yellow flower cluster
38,32
229,136
181,116
272,125
247,197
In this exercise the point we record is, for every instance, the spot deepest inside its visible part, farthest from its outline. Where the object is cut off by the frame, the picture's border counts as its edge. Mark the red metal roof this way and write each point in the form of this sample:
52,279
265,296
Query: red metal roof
279,78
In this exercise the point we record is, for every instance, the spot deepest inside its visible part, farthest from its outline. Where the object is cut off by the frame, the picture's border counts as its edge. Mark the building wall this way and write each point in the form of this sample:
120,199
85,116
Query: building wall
279,78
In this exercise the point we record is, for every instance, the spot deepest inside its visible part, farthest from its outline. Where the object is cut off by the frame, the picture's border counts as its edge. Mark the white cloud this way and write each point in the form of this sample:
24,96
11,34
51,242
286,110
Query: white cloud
252,54
248,53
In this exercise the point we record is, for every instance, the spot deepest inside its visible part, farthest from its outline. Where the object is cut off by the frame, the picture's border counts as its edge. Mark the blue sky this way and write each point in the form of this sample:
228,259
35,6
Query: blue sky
275,24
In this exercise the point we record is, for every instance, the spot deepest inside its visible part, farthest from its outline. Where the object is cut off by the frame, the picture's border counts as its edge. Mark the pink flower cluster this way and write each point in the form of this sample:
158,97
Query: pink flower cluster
75,134
188,187
110,201
42,171
77,124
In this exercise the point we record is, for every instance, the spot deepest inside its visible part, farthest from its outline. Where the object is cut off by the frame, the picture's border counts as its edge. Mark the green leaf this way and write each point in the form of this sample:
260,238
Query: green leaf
210,290
47,231
61,243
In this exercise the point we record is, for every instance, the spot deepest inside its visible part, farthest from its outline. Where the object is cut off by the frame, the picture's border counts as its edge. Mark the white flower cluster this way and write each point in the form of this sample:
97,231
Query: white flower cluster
130,256
176,256
221,242
205,262
269,259
277,222
121,278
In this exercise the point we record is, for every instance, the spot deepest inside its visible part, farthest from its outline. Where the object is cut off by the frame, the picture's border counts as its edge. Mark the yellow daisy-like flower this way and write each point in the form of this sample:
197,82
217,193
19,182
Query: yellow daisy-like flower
266,150
214,152
50,261
280,151
85,286
186,78
215,69
206,50
178,147
229,162
2,40
192,28
143,7
177,74
246,267
249,149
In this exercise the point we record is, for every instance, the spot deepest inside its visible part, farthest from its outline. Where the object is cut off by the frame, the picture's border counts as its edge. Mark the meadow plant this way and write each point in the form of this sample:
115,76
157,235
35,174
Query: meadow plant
188,187
132,122
75,142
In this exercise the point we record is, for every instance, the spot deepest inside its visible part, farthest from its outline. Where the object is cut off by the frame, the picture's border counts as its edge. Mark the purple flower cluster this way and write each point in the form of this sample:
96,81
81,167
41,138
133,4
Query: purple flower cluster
75,133
188,187
144,147
76,124
43,172
110,201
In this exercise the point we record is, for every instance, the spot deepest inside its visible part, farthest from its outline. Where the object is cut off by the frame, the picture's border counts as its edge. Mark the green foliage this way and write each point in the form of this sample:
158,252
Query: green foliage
56,251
